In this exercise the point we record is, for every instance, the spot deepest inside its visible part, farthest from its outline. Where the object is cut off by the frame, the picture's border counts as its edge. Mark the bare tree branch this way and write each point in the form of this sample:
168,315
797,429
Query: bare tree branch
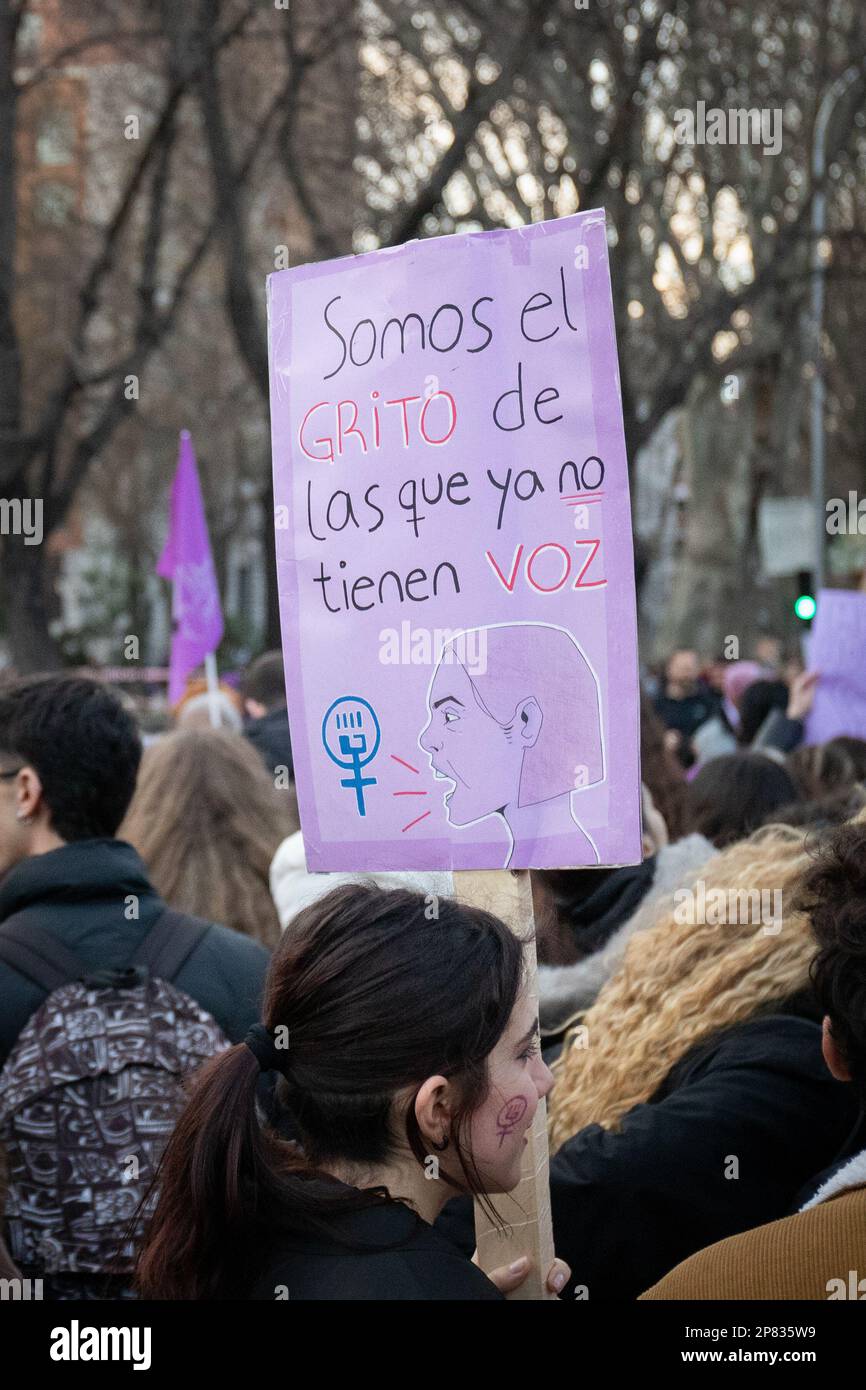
23,448
480,100
152,330
112,38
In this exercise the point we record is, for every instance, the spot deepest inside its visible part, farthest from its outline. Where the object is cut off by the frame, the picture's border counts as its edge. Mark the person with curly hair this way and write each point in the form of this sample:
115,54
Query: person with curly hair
818,1252
692,1101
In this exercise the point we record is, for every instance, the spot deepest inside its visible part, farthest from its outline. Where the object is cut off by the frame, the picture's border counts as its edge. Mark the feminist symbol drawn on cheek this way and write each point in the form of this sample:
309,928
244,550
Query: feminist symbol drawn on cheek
510,1116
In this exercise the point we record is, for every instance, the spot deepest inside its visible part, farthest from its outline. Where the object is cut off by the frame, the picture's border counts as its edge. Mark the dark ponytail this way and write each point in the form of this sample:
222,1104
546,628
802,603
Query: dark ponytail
378,990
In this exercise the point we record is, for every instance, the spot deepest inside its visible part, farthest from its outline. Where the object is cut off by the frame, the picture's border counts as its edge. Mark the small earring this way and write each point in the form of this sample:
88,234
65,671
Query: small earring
23,817
440,1148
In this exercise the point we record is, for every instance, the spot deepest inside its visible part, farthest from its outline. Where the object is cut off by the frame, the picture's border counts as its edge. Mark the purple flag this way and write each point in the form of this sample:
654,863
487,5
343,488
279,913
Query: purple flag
197,620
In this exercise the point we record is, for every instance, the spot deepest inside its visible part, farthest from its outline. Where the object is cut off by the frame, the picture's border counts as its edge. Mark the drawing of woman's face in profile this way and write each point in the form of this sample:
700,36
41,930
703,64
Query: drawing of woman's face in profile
465,744
513,721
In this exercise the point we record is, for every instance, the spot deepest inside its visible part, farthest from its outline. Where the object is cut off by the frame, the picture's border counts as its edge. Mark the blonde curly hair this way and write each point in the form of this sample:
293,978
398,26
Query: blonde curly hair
681,982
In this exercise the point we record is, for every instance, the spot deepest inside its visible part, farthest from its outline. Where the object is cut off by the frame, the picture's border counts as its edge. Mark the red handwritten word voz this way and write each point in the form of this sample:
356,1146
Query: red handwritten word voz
342,424
564,565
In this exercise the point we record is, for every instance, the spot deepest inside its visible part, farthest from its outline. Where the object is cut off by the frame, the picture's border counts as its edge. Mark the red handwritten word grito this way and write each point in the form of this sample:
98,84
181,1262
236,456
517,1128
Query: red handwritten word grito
342,424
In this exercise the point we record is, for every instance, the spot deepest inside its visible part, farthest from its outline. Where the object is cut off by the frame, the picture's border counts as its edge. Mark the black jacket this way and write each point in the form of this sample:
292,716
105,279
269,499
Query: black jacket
778,731
418,1264
690,713
270,738
82,893
594,902
629,1205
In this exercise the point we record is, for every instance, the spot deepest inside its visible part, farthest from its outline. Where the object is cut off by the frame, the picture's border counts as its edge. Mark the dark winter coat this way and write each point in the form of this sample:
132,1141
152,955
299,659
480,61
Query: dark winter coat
96,898
726,1143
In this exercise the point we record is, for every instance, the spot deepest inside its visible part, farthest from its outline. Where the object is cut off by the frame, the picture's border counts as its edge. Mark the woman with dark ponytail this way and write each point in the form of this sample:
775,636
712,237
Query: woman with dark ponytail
408,1066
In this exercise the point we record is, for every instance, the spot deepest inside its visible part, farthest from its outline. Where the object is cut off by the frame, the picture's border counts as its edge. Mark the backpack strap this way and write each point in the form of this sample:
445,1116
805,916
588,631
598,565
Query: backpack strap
37,954
169,944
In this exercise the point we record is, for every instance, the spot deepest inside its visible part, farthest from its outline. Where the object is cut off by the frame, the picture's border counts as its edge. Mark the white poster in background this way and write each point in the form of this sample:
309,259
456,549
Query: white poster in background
786,531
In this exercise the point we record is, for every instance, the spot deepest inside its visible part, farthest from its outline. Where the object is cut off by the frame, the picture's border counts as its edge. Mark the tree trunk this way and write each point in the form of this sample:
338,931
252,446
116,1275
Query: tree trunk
713,595
10,362
26,585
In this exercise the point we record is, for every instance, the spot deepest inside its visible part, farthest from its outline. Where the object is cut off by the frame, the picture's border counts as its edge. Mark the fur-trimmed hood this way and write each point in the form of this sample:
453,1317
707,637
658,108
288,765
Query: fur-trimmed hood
852,1173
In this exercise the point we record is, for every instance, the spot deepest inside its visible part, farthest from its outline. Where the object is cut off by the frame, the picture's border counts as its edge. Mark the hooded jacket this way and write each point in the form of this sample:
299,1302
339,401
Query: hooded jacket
96,898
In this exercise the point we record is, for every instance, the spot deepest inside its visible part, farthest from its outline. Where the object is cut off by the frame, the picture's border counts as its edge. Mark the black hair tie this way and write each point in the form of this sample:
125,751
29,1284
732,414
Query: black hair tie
261,1045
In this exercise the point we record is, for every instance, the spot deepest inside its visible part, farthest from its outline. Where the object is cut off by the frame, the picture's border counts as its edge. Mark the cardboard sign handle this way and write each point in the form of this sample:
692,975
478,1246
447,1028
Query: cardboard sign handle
526,1210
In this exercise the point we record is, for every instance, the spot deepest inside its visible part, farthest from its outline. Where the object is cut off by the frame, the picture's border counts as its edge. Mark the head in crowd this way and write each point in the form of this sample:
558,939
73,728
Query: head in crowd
821,814
207,820
833,896
734,794
768,651
264,685
661,770
407,1038
193,709
739,675
855,750
727,947
758,700
714,673
821,769
682,669
69,755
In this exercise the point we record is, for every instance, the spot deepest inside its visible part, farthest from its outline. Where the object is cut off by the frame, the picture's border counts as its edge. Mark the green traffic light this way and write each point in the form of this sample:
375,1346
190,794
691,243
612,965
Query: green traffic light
805,607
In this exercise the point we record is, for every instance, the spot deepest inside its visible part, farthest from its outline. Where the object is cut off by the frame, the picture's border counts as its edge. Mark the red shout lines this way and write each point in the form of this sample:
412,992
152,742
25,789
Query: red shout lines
425,814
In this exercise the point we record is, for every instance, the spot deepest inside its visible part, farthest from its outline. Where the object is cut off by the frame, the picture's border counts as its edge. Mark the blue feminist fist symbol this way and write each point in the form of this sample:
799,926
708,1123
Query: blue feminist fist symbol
351,735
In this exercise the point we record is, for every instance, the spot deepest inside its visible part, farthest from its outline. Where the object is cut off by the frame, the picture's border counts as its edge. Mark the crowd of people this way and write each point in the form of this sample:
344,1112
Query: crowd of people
225,1077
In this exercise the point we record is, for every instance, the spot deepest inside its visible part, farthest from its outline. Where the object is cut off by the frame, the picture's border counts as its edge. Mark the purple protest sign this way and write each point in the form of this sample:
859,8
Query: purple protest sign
837,651
186,560
454,553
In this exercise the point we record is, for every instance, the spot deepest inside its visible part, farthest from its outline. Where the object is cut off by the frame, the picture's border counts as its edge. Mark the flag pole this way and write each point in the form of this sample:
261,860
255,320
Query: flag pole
210,670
